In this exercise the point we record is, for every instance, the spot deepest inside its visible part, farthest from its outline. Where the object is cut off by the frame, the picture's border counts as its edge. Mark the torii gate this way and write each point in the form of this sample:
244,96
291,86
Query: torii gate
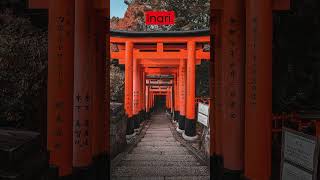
78,98
241,87
166,53
241,132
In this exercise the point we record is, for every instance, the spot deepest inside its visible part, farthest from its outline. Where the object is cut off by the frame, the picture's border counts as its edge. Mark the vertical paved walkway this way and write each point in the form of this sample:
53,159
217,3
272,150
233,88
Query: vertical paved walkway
159,156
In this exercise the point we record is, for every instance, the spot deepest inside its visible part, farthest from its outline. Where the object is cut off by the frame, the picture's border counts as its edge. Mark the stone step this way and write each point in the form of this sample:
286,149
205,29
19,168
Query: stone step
158,143
159,163
158,129
158,135
164,148
161,171
137,178
151,157
158,139
163,178
159,132
159,152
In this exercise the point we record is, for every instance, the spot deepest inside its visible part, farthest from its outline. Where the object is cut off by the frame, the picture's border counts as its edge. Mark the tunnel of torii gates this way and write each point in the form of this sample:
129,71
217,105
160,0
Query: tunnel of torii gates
160,53
241,81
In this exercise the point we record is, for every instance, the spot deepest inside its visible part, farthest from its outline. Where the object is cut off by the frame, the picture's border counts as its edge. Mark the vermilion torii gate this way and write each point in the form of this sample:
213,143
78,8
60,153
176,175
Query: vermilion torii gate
161,53
240,119
78,115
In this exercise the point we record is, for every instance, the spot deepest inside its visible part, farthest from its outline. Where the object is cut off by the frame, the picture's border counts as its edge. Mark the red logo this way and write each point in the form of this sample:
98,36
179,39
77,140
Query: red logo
160,17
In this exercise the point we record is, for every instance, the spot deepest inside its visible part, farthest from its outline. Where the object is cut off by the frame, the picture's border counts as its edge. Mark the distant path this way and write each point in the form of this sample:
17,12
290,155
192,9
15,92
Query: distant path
160,157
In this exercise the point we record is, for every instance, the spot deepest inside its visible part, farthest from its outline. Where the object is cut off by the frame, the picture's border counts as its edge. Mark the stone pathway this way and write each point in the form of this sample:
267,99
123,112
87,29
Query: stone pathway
158,156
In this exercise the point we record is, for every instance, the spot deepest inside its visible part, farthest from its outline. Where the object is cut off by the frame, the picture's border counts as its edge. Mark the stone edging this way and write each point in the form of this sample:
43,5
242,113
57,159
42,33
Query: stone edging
144,127
197,153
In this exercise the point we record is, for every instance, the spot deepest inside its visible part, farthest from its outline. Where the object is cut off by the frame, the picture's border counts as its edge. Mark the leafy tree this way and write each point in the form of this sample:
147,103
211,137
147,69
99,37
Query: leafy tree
23,67
116,83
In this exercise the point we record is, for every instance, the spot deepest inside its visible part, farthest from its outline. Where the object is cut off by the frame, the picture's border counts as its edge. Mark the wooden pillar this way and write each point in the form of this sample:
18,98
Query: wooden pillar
175,99
258,104
317,128
216,94
232,76
177,96
82,135
101,95
136,98
106,142
190,123
129,88
182,95
171,98
142,95
60,84
147,102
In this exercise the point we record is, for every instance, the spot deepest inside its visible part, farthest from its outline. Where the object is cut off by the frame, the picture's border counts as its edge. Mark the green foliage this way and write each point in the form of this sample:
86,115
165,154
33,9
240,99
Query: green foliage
23,66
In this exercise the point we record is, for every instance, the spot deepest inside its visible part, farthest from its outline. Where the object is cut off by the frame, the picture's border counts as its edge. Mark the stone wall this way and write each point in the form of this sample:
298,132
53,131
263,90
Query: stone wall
118,128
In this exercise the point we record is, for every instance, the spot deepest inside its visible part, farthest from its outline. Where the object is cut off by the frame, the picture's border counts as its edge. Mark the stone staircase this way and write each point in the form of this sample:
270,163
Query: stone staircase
159,156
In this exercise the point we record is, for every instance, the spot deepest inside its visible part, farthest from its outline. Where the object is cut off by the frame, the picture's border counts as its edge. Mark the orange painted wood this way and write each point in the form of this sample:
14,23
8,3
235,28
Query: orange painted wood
82,134
280,5
200,39
99,137
106,53
162,55
44,4
191,80
60,84
317,128
136,81
38,4
129,79
95,73
276,5
216,86
182,86
258,114
232,89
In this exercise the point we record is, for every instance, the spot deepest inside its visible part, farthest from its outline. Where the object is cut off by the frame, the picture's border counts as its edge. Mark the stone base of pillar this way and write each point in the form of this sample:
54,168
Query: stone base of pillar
216,166
182,122
142,116
179,130
100,165
147,115
136,120
176,116
83,173
60,178
231,174
189,138
190,130
130,136
130,126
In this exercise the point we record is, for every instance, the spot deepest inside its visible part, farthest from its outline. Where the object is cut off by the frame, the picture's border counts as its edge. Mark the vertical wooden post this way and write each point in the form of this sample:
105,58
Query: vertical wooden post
129,88
143,94
177,96
175,99
136,82
190,123
258,104
182,95
100,95
60,84
232,74
216,94
147,102
82,135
